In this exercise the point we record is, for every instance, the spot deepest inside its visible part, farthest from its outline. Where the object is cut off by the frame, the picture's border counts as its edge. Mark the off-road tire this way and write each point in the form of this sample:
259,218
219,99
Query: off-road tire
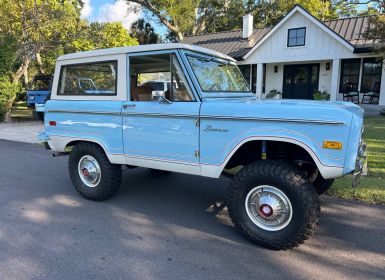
111,174
294,184
322,185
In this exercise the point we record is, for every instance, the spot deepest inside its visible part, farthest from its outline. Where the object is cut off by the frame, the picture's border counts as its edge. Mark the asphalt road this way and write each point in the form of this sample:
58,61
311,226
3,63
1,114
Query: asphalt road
161,227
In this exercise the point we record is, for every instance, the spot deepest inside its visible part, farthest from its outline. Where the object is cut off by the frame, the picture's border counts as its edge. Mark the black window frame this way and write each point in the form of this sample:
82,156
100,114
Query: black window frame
342,74
288,37
115,61
371,75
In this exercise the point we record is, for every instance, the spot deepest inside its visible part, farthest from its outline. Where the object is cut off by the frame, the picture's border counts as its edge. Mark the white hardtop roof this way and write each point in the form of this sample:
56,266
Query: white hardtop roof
143,48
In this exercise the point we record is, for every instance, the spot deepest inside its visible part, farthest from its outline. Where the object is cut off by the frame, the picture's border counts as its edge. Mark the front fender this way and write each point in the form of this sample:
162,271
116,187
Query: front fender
329,167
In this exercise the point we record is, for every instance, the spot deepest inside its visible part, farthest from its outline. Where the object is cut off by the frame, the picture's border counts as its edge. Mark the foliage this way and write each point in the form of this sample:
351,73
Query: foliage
321,95
7,55
191,17
273,93
376,32
8,91
99,36
144,32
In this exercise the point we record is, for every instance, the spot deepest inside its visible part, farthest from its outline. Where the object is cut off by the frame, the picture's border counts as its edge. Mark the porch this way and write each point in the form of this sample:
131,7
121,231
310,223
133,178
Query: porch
358,80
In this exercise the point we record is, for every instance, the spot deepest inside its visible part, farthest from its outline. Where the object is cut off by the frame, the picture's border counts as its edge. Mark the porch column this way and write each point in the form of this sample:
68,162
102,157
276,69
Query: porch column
382,89
259,81
335,76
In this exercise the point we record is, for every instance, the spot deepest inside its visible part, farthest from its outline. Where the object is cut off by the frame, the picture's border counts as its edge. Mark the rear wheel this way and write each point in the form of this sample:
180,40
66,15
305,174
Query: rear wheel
93,176
273,204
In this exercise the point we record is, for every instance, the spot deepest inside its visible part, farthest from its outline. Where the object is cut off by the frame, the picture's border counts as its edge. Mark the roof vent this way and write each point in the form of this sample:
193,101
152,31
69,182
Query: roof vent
247,26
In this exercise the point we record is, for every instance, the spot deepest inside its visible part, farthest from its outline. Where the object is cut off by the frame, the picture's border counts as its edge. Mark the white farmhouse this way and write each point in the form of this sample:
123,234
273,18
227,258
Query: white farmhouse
301,54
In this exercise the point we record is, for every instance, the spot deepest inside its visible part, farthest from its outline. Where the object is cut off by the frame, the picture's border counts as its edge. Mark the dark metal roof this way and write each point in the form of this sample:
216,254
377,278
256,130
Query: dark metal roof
352,30
228,42
231,42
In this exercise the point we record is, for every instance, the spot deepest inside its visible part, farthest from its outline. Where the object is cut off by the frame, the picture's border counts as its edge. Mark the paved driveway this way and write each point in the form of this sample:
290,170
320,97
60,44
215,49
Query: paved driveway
26,132
161,227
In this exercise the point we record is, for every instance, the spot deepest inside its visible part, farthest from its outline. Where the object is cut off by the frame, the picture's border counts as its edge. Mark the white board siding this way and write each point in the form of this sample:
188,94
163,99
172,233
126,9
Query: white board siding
274,80
319,45
325,76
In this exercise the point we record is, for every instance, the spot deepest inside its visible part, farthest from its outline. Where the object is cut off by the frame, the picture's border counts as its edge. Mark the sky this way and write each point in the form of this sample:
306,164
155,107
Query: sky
117,10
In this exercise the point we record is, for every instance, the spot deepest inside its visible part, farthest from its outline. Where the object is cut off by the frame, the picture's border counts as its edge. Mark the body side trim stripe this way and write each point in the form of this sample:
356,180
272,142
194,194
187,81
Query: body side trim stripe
327,122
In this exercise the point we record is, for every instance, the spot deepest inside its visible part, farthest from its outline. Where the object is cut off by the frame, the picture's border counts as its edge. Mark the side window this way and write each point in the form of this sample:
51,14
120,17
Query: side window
155,76
96,79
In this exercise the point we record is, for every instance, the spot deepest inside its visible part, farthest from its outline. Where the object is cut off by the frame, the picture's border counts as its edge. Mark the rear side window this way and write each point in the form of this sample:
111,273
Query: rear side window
97,79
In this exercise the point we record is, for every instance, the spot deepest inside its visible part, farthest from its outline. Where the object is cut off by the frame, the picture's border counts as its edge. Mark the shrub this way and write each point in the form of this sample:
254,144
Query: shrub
8,91
273,93
321,95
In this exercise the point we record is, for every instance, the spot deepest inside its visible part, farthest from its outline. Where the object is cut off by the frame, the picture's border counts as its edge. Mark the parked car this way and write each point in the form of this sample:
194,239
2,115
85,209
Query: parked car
38,94
39,90
284,153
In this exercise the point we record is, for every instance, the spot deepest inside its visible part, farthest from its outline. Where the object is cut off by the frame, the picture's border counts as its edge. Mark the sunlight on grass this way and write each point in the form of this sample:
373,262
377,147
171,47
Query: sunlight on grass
372,187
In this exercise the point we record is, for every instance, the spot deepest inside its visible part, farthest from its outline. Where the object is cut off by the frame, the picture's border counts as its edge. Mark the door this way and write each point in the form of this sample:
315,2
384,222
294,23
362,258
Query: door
160,128
300,81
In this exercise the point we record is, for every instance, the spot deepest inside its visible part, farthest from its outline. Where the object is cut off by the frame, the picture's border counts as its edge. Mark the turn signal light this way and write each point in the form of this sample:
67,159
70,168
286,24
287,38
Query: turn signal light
332,145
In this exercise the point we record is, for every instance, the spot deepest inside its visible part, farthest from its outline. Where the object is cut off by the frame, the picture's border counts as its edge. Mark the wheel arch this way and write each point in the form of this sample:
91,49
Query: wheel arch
255,141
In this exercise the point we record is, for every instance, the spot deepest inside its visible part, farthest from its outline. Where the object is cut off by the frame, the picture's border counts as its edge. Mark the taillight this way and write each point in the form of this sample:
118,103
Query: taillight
52,123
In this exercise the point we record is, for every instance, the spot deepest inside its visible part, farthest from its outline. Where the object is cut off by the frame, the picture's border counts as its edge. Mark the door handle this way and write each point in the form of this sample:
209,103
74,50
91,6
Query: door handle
126,106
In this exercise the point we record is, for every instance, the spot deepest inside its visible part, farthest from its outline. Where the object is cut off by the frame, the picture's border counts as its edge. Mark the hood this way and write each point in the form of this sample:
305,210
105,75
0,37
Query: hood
287,109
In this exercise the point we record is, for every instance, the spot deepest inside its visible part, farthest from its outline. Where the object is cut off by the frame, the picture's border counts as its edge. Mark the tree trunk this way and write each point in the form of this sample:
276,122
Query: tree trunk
40,63
20,72
7,116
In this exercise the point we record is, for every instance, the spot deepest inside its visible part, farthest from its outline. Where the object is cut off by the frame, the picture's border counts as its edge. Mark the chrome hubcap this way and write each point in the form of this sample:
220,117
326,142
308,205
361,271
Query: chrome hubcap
268,208
89,171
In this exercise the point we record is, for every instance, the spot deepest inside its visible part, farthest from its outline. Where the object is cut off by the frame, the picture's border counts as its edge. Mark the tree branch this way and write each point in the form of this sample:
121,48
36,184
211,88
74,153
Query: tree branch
147,5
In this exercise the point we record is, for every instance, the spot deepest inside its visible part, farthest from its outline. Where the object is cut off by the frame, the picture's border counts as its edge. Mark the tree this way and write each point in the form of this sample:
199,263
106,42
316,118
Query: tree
99,36
144,32
179,16
376,29
191,17
36,25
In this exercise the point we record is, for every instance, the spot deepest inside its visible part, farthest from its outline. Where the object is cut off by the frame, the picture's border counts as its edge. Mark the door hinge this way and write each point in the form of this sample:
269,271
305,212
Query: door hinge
197,122
197,153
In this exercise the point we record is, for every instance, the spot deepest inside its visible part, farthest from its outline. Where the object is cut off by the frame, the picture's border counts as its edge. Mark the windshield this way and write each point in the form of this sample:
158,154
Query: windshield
217,76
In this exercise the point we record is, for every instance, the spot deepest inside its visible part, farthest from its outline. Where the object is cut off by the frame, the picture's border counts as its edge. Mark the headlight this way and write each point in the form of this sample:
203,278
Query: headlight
31,97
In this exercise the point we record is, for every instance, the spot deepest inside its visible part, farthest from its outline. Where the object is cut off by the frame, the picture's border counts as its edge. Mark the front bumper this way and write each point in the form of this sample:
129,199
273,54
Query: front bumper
361,165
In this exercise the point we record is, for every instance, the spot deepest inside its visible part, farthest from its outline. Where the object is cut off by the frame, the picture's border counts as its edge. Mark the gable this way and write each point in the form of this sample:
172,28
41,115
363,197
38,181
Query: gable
321,42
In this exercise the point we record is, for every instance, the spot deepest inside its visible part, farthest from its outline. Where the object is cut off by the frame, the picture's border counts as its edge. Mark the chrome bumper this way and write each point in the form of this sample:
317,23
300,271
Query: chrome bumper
361,165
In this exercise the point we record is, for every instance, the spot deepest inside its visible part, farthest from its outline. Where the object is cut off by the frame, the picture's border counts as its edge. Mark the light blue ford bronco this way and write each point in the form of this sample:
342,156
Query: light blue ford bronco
280,155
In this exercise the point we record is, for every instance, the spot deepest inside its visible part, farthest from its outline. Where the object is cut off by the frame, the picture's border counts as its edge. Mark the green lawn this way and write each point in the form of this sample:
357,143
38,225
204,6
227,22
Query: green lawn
372,187
20,111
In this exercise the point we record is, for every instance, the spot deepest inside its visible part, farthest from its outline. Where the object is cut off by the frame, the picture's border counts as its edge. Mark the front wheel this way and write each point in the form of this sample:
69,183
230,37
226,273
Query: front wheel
273,204
92,174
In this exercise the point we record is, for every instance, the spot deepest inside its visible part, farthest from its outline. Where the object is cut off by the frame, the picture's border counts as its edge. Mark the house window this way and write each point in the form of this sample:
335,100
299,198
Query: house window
350,75
371,75
296,37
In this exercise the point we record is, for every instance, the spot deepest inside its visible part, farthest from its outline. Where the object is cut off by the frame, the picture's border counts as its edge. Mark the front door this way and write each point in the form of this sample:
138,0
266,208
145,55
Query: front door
300,81
160,128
